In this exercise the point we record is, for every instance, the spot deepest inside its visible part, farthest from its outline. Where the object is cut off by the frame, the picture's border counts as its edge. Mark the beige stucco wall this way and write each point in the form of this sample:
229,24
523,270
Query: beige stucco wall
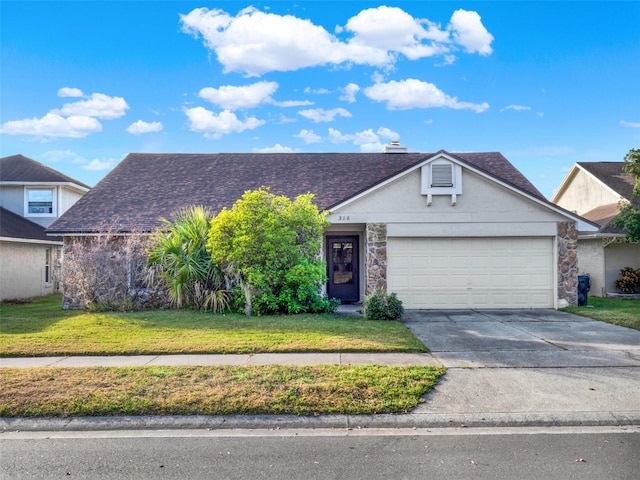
483,209
603,264
618,256
584,193
22,270
591,262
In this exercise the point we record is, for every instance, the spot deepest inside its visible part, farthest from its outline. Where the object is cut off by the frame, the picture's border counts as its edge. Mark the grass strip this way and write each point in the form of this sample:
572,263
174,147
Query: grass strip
273,389
618,311
42,328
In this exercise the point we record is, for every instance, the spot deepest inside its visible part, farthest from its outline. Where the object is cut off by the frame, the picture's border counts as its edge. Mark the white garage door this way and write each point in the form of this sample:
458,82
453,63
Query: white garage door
443,273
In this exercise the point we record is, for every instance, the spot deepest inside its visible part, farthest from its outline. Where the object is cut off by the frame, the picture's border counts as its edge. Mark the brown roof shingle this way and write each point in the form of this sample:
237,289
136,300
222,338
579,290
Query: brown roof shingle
18,168
146,186
15,226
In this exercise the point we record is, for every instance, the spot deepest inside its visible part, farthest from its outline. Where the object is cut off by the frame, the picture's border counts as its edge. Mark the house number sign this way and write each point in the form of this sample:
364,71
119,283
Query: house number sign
344,218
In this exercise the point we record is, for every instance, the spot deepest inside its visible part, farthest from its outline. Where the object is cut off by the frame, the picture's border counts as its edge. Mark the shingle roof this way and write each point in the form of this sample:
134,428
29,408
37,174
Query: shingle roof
612,175
13,225
603,215
18,168
145,186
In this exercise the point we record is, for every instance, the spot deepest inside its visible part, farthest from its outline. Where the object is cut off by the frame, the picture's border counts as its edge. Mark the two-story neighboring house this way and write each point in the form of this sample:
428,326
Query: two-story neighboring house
32,197
595,191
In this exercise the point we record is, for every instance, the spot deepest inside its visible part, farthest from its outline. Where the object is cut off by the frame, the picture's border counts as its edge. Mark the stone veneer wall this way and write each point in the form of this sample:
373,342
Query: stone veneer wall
567,264
376,257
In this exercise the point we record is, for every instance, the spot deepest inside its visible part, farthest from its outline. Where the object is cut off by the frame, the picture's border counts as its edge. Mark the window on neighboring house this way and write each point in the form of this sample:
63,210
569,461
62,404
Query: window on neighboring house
41,202
47,266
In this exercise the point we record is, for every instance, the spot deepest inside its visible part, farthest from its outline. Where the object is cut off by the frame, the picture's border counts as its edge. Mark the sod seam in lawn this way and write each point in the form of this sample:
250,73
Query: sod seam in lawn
273,389
42,328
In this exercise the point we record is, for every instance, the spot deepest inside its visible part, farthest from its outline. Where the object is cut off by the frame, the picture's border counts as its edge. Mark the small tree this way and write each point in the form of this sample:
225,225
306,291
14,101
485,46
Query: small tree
629,217
269,246
177,252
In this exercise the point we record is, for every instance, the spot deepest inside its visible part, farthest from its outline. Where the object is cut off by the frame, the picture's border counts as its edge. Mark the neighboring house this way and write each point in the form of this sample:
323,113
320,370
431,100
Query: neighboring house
442,230
32,196
595,191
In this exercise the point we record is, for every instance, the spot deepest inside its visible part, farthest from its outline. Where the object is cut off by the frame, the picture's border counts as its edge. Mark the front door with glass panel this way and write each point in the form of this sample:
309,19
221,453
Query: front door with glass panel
342,263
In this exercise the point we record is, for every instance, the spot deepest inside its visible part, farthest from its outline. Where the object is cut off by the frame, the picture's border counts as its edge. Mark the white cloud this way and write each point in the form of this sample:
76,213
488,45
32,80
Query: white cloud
230,97
140,127
322,115
308,136
349,93
277,148
55,156
412,93
282,119
317,91
468,31
630,124
97,105
256,42
391,29
100,164
215,125
53,126
388,134
70,92
517,108
292,103
366,140
337,137
372,147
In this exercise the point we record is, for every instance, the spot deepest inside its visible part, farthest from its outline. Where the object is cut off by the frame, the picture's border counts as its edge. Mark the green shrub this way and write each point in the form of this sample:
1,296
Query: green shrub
177,254
629,281
383,306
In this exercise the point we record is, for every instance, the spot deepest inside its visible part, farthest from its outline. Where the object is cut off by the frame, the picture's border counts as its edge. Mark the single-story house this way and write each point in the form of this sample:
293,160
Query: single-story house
32,196
442,230
595,191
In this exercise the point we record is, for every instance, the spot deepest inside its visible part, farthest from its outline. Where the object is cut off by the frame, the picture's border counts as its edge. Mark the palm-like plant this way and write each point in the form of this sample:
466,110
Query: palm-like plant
177,251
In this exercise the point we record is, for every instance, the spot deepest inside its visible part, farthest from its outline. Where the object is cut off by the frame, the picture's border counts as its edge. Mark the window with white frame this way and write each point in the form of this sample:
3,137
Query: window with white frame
40,202
47,265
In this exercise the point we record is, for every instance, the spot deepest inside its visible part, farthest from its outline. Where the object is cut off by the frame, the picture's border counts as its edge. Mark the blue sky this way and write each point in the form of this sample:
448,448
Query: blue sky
546,83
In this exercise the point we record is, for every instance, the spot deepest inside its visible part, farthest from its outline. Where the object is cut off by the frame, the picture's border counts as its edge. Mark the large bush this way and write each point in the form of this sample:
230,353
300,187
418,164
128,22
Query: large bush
106,272
268,245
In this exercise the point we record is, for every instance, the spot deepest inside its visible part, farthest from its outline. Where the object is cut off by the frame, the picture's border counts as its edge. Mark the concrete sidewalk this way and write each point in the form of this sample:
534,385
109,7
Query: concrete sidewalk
505,368
388,359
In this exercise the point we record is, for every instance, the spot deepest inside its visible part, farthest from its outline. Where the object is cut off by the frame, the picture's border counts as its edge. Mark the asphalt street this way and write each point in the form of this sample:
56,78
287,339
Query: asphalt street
496,454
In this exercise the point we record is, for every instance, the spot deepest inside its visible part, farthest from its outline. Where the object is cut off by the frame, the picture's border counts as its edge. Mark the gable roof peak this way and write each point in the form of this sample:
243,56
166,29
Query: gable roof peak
18,168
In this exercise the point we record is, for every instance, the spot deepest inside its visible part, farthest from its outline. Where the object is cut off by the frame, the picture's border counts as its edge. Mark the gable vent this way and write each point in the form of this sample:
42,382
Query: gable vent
442,175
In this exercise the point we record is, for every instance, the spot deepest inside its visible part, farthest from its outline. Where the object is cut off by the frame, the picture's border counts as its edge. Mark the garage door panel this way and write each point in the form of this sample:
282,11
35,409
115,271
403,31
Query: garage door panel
472,272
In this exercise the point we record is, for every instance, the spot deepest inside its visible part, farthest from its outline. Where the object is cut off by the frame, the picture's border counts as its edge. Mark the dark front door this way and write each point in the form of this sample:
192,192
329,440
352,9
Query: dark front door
342,262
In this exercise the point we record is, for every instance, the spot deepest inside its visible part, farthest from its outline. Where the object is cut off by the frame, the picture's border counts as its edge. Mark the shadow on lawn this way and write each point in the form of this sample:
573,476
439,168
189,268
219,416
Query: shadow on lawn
34,315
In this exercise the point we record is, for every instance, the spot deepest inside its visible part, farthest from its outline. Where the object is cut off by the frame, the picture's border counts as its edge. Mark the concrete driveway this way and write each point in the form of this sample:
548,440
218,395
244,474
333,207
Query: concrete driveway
530,362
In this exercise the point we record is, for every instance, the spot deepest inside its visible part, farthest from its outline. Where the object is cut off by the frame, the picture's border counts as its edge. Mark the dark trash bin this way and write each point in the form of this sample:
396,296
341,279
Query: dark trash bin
584,285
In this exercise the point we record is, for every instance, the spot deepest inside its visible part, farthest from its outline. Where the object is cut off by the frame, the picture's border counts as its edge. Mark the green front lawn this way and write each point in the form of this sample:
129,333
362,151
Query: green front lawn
273,389
42,328
619,311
